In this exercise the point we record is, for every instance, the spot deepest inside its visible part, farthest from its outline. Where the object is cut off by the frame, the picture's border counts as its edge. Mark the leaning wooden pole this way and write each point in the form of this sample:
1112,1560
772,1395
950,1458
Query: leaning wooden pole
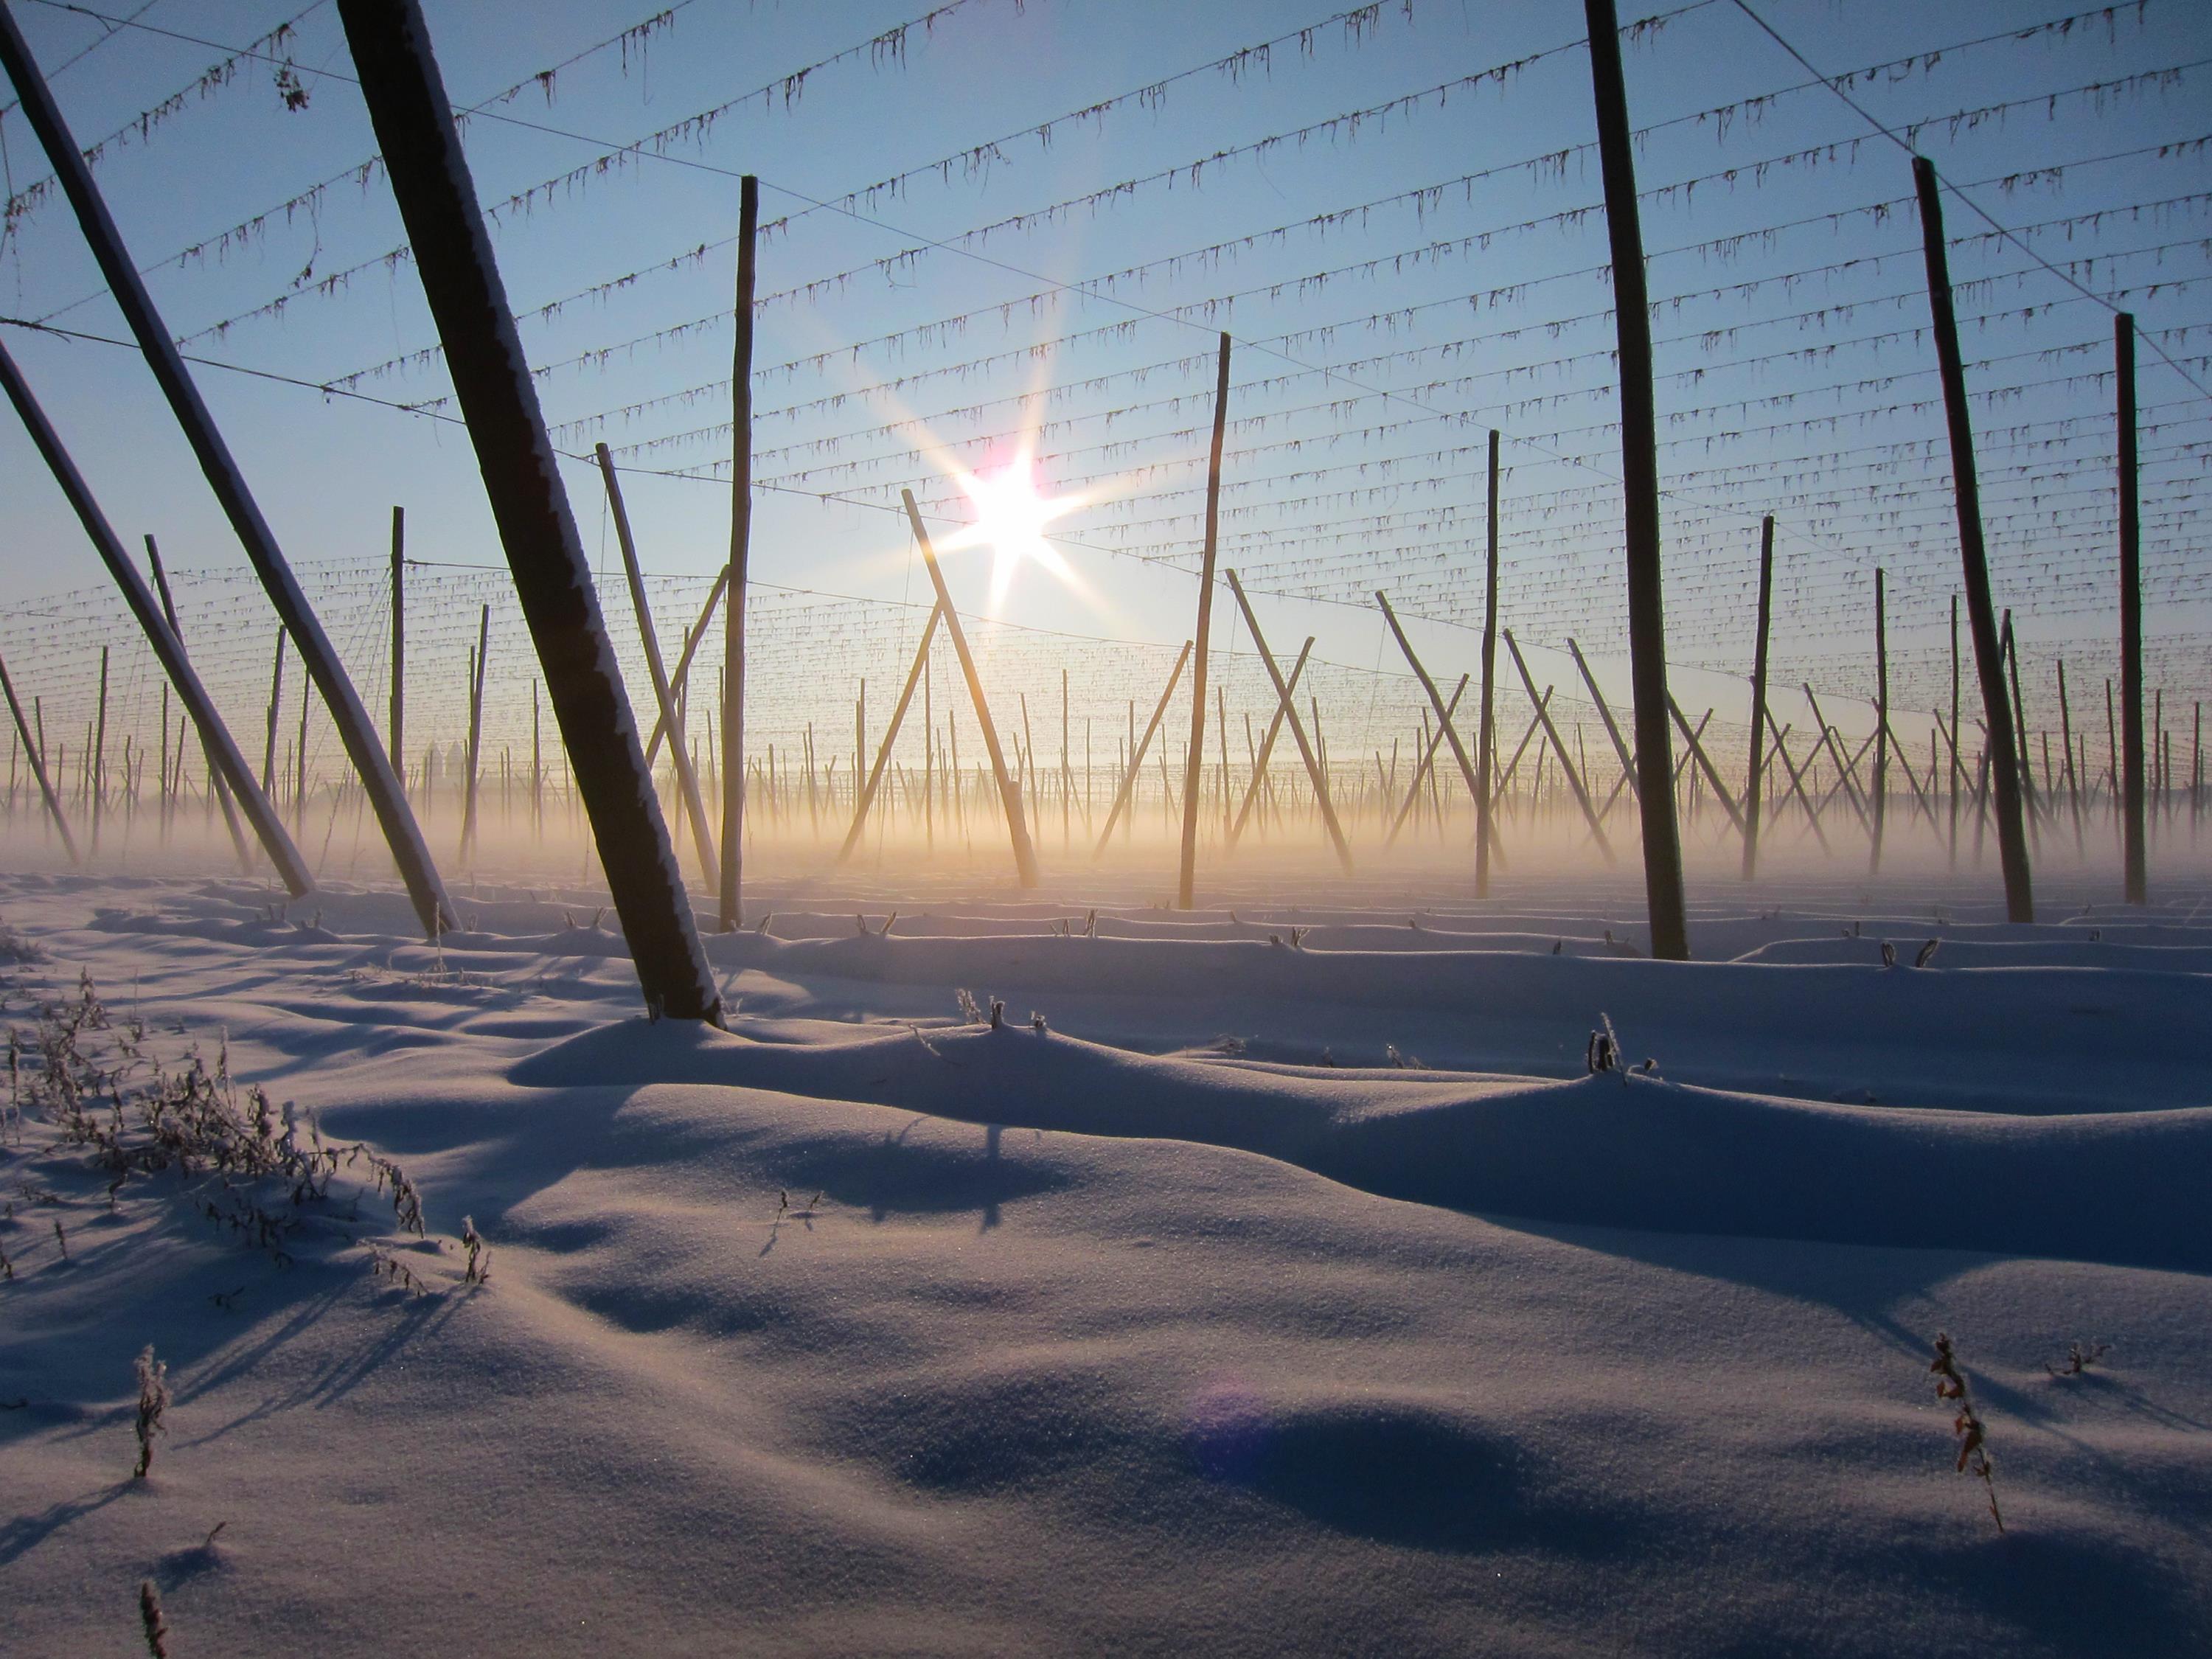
891,736
1010,795
1267,750
1467,770
290,868
1981,614
1138,751
1314,772
1195,760
38,759
2135,860
731,884
401,832
437,199
686,776
1639,472
1566,762
1754,783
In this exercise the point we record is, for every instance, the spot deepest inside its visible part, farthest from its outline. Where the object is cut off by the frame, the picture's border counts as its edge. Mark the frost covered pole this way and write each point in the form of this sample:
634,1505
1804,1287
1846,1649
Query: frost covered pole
730,883
404,837
1981,615
1753,784
38,759
1639,471
414,123
2134,858
1194,759
215,736
1010,795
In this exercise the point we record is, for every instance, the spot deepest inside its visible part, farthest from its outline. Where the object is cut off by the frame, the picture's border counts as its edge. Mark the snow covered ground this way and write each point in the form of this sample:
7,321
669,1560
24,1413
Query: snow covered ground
1275,1296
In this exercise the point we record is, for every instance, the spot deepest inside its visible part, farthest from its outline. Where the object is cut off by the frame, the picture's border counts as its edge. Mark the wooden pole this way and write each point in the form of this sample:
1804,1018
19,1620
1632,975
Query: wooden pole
218,787
1018,829
732,909
215,736
99,755
1605,715
2073,778
398,747
891,736
477,663
34,752
1639,461
276,706
1195,760
1435,701
2135,858
1283,700
702,837
1706,765
1485,736
1981,614
63,153
1958,770
1881,720
437,198
1755,780
1429,747
1567,765
1265,751
1137,753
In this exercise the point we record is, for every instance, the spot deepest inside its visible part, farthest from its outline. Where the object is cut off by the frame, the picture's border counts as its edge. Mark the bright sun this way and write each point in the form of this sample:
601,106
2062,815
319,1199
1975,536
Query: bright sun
1011,516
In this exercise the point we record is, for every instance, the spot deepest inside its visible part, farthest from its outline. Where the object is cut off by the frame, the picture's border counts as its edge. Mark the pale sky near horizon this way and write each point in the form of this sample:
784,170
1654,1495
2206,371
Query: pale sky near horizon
1478,302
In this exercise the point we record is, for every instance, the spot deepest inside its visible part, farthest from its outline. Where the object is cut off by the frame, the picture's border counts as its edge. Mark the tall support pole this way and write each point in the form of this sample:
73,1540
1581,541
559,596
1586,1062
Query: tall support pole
1017,829
1194,761
1639,471
217,786
1754,785
476,733
398,747
731,912
2134,856
1981,614
1485,735
1265,751
215,736
1666,784
664,695
1137,752
36,753
437,199
891,736
1283,700
409,852
1880,776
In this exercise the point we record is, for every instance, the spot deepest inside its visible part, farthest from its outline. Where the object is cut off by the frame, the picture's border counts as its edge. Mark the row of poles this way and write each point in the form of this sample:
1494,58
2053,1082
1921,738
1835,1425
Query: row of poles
610,769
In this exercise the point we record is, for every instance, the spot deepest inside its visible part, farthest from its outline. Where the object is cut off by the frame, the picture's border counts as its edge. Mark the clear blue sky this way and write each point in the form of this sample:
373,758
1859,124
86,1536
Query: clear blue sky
1334,488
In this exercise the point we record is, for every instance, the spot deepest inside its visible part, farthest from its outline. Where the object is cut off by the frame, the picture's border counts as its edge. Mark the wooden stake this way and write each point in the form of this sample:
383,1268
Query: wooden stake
1486,737
891,736
34,751
2135,858
477,664
1195,760
1137,753
1665,783
1421,771
1313,773
1265,751
1754,780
